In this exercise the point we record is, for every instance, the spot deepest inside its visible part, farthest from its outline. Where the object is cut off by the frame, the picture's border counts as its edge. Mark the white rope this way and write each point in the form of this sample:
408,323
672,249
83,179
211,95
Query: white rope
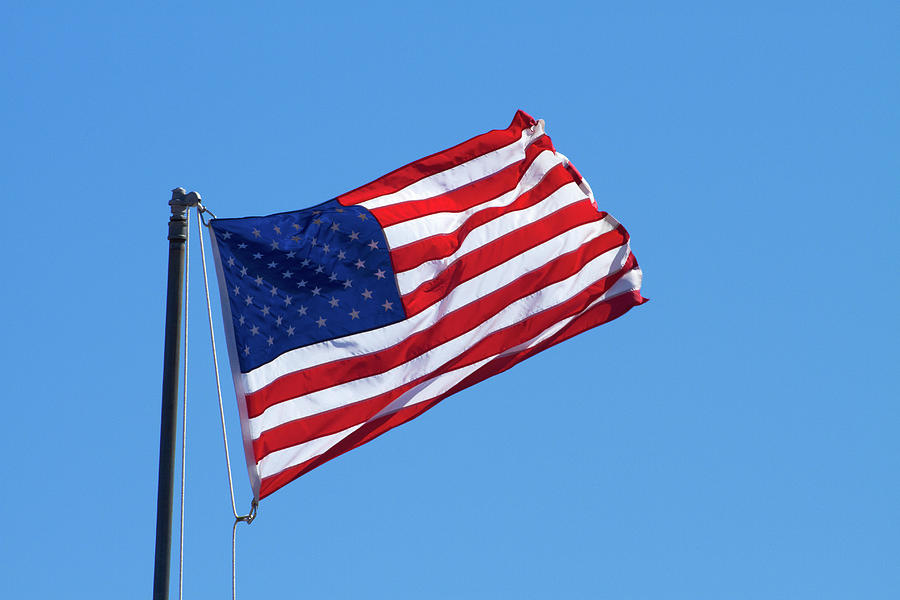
212,339
248,518
234,559
187,271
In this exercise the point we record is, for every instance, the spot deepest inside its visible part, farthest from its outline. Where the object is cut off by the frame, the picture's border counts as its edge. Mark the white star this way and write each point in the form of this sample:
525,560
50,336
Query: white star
242,245
257,255
354,235
373,245
270,341
320,269
317,212
305,262
314,241
316,291
255,232
243,270
367,294
317,221
295,238
290,330
265,310
259,280
279,320
254,330
291,254
274,290
237,291
333,302
326,248
274,244
230,261
332,277
348,283
354,314
301,311
241,320
339,210
246,350
387,305
226,235
296,226
248,300
362,216
272,264
277,229
301,283
360,263
379,274
321,321
342,255
288,300
335,226
287,274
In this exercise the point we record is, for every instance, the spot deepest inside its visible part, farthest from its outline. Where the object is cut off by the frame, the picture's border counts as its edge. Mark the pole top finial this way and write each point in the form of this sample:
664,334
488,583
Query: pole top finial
182,200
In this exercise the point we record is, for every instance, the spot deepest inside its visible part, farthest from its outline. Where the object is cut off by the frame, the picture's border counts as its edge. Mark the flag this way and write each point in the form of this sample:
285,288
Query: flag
352,317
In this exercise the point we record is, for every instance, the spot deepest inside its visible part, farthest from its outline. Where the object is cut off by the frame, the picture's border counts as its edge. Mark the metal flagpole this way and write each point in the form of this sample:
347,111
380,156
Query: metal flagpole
178,224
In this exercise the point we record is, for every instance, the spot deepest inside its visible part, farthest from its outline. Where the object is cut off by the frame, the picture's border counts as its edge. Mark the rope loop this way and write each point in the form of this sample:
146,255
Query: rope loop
254,504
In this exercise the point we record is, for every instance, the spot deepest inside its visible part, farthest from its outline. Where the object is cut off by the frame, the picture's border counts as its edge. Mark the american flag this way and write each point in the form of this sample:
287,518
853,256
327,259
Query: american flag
352,317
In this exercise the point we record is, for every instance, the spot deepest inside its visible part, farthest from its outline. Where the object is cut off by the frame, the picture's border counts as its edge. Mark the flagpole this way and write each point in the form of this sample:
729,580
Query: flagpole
178,224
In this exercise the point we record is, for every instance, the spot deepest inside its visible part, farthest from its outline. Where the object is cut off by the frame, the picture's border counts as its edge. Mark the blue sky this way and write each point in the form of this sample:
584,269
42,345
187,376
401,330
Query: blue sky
734,438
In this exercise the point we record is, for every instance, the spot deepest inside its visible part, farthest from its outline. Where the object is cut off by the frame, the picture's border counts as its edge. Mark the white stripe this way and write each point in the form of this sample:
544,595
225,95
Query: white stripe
283,459
368,387
460,175
379,339
414,230
567,195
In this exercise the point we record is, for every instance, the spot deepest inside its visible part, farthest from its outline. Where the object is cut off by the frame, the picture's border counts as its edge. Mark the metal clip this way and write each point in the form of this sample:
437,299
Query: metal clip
202,209
254,506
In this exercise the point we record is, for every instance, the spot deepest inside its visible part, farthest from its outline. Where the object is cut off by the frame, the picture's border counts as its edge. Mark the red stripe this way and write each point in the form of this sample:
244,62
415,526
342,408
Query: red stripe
597,315
440,161
339,419
442,245
466,196
497,252
305,381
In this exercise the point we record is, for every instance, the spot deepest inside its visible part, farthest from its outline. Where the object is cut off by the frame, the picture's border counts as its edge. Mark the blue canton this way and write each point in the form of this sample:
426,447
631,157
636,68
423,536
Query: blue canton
301,277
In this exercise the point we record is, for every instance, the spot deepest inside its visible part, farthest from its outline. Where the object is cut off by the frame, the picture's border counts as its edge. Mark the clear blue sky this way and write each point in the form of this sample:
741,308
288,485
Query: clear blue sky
737,437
